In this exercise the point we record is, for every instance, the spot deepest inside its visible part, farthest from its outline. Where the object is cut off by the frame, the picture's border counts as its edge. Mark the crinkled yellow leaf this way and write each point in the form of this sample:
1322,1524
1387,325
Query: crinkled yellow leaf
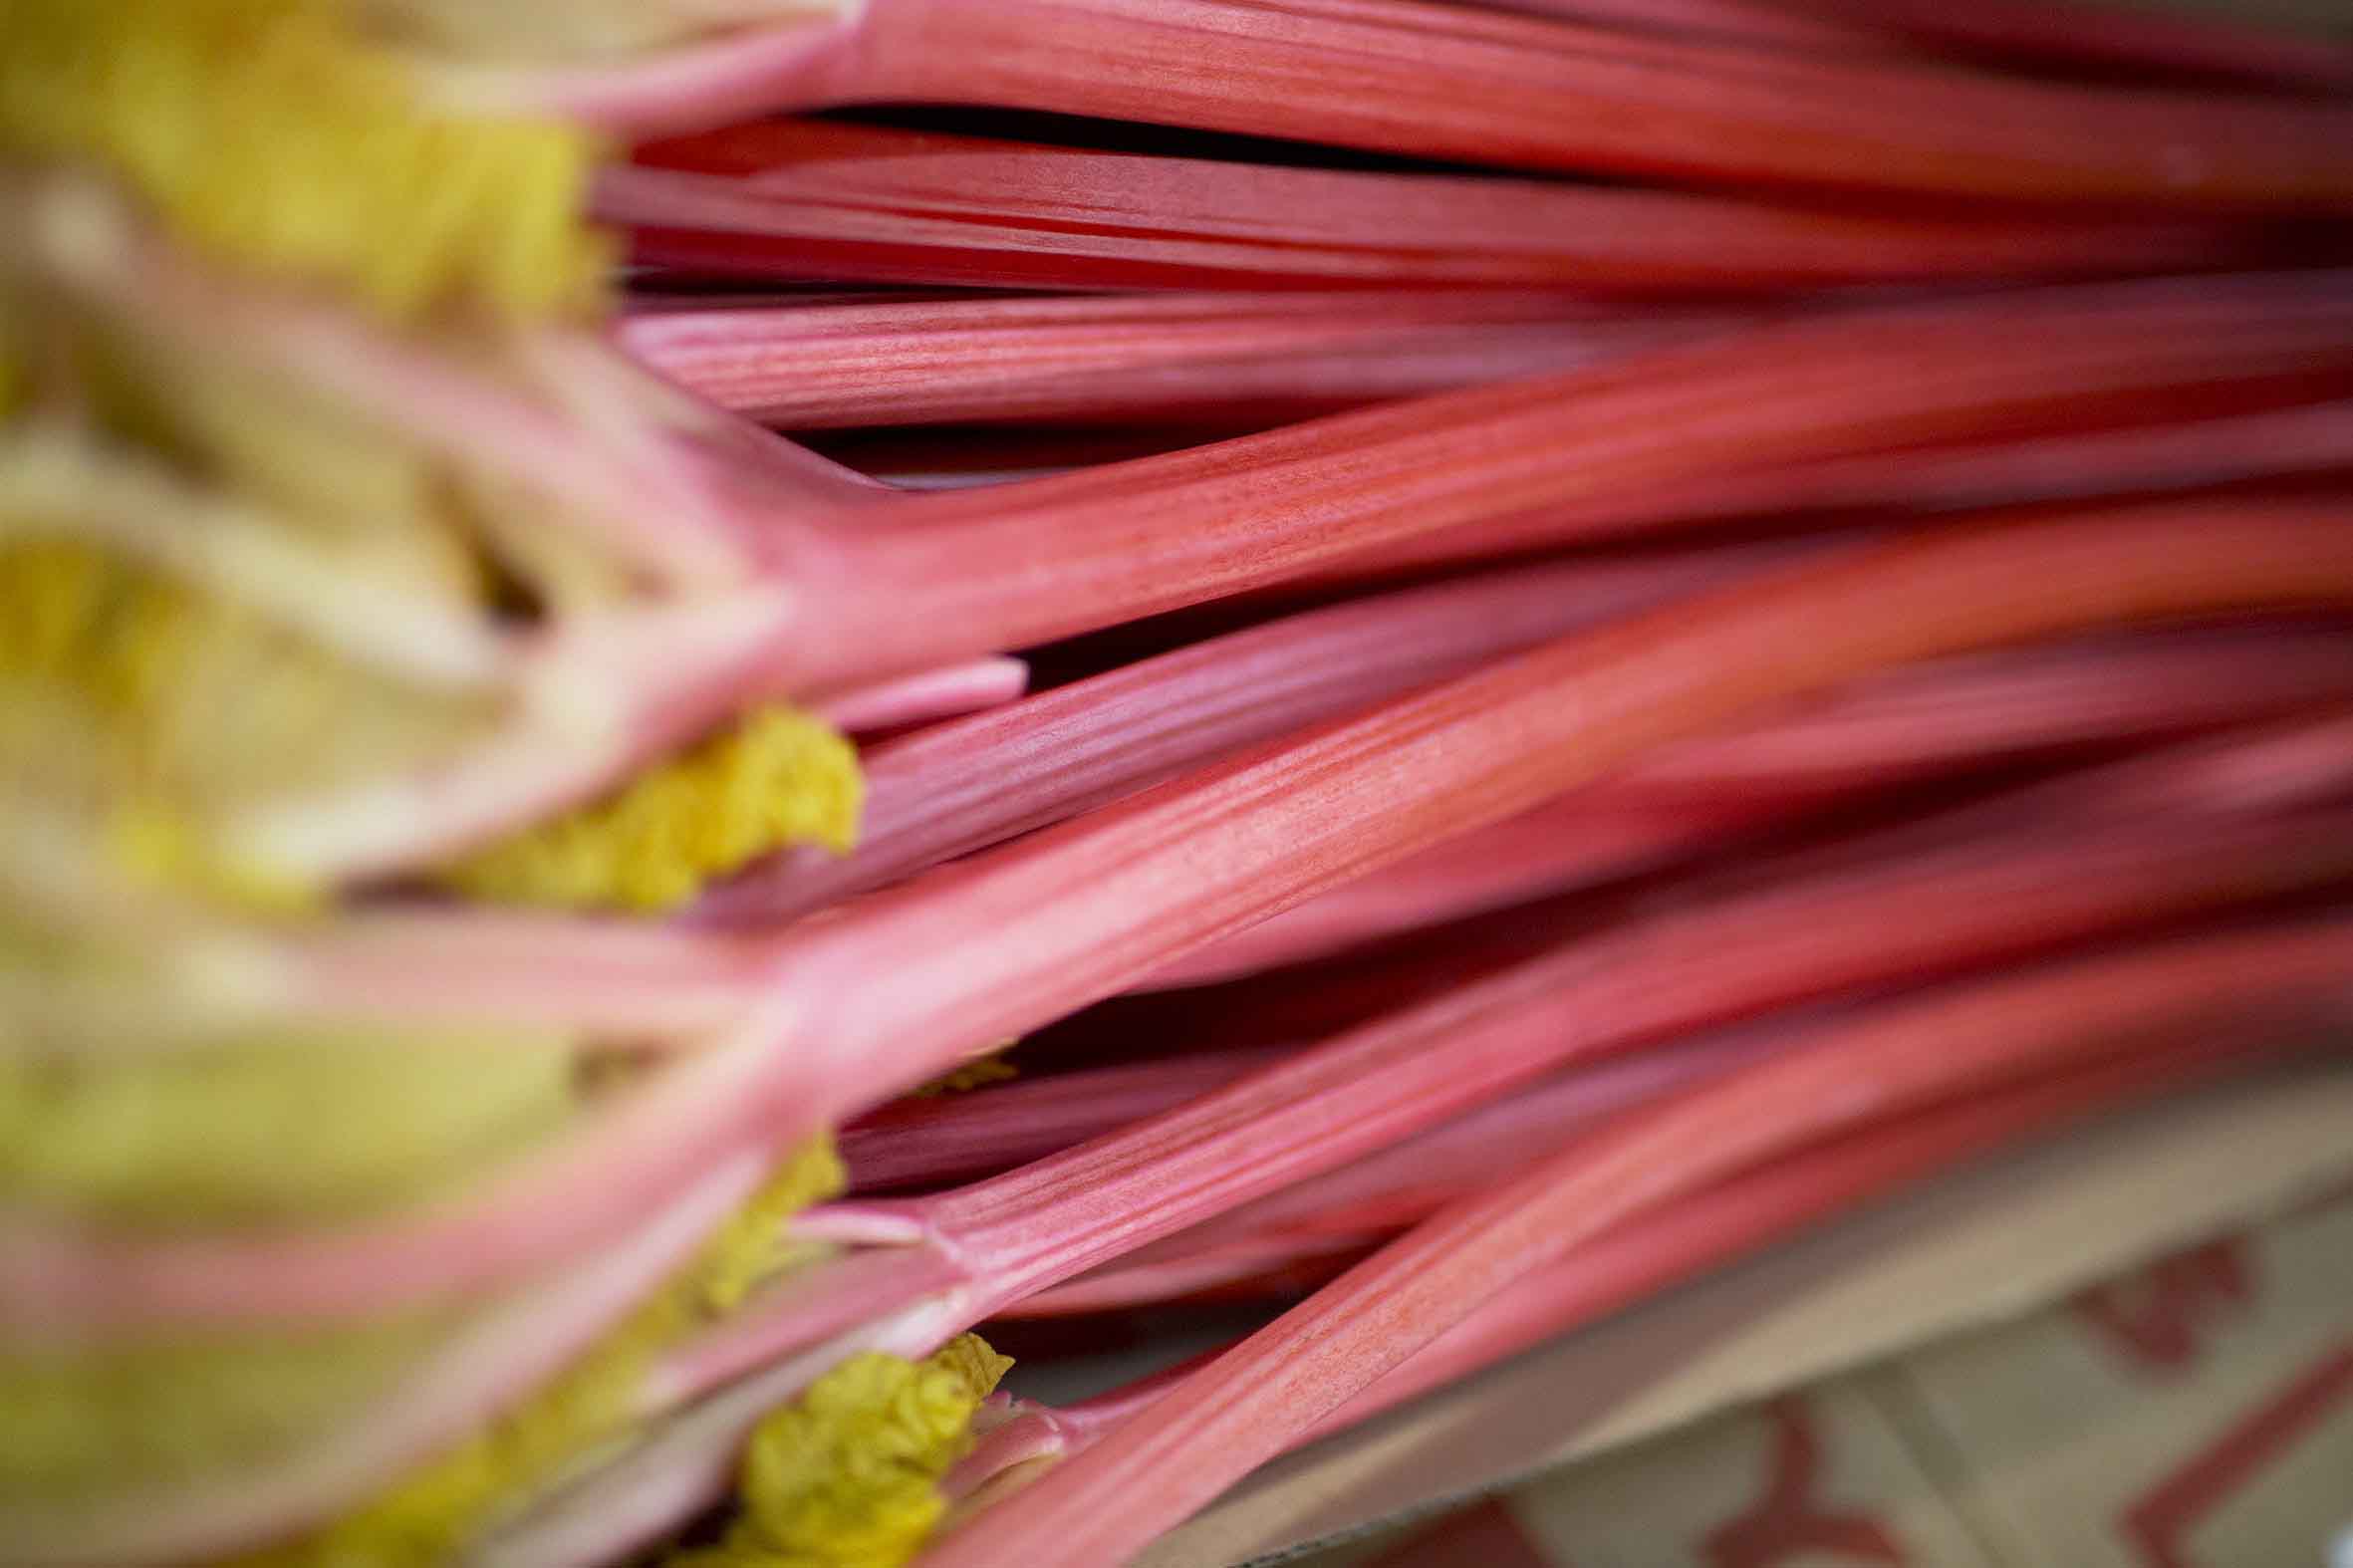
848,1475
271,134
780,777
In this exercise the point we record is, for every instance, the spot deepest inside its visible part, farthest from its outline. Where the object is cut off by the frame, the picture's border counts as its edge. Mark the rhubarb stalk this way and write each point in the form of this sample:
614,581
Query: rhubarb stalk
1260,1398
1445,82
797,199
1079,912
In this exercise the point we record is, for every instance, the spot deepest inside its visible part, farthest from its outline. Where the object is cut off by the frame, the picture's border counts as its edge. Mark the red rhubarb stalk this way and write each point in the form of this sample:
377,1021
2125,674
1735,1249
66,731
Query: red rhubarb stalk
2174,454
1448,82
793,200
1744,21
1644,980
1122,359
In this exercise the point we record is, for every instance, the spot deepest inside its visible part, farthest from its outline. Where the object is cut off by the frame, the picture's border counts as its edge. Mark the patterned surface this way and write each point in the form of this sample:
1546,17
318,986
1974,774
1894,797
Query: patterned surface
2196,1414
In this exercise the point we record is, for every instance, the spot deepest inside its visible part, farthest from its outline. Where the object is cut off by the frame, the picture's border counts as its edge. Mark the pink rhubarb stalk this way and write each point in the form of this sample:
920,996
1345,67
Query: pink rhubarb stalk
1382,1193
1756,1208
931,1141
1632,981
955,1258
950,691
1258,1399
979,781
786,579
1020,563
1678,1240
905,984
1911,725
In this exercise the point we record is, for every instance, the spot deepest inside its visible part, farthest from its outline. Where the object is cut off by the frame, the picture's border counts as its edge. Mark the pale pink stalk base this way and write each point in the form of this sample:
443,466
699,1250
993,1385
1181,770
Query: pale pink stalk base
907,984
547,413
966,785
463,1382
661,677
950,691
790,200
612,981
1264,1395
624,1163
809,56
609,451
819,364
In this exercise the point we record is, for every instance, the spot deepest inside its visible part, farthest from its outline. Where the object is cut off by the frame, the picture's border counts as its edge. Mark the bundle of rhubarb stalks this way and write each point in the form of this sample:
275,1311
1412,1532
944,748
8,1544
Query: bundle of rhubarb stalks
696,694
